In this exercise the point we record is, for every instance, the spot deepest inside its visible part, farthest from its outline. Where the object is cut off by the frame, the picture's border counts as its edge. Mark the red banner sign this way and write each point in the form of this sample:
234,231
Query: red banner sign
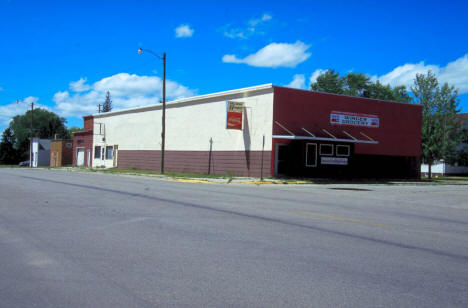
234,115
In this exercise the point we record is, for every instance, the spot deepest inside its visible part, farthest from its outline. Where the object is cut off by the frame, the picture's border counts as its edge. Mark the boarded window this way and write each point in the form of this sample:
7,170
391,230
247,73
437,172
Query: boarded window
342,150
97,152
311,155
326,149
109,152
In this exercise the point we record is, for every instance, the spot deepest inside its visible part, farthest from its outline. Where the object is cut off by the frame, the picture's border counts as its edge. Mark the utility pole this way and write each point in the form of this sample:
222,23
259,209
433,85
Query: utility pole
163,133
163,130
30,132
99,108
31,137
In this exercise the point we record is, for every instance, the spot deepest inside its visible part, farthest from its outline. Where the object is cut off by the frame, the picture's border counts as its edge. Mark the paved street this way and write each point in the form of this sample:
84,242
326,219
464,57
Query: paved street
71,239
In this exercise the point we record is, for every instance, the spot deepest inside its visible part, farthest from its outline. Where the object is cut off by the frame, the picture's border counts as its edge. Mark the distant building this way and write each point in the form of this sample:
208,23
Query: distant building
83,144
268,130
61,152
40,152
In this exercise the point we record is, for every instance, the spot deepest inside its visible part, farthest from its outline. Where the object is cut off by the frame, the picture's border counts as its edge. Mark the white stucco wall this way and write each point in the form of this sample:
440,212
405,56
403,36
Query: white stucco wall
442,168
438,168
190,124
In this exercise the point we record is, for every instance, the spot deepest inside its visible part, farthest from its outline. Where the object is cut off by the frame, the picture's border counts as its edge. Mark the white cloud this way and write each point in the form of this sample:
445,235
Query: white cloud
184,31
454,73
126,90
7,112
298,82
79,85
315,74
256,21
250,29
274,55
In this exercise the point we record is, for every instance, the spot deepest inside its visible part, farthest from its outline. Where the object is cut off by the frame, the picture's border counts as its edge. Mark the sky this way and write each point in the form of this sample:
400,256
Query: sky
65,55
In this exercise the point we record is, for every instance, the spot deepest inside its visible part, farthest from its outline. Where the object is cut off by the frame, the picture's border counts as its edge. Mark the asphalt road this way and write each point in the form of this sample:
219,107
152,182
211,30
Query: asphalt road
70,239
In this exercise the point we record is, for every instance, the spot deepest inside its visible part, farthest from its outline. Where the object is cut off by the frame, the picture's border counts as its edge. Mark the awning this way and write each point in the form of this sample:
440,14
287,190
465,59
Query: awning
331,137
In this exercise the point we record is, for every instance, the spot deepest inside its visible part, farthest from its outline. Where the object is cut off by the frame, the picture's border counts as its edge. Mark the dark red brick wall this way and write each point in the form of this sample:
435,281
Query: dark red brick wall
221,162
88,123
83,140
67,153
399,133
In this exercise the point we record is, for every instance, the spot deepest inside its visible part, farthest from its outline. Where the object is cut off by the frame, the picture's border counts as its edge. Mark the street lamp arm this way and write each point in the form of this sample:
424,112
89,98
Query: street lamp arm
140,51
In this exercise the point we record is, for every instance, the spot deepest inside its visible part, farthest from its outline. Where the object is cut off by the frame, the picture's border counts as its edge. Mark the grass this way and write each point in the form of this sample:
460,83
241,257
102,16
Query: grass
446,179
9,166
135,171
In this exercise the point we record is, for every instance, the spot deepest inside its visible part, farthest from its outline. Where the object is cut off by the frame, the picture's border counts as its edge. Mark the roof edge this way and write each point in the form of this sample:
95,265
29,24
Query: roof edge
350,96
188,99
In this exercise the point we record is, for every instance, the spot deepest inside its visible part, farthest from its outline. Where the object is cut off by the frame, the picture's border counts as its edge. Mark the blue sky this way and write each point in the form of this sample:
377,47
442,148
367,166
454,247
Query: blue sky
65,55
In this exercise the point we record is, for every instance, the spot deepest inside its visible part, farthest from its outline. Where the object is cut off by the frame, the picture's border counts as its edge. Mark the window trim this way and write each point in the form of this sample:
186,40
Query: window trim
307,154
343,146
326,154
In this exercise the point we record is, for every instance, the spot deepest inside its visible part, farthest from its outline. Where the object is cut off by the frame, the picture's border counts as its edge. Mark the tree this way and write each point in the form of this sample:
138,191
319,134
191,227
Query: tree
46,125
329,82
8,154
441,133
71,130
360,85
107,106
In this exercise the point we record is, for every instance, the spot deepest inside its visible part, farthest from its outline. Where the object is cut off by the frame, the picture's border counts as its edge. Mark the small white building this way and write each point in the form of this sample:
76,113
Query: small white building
40,152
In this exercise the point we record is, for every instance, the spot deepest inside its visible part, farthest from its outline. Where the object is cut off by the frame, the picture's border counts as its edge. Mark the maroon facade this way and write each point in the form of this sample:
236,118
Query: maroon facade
398,134
83,141
241,163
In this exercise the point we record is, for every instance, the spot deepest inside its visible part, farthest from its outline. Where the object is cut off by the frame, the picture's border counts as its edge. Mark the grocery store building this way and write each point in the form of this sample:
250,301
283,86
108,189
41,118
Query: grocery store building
264,130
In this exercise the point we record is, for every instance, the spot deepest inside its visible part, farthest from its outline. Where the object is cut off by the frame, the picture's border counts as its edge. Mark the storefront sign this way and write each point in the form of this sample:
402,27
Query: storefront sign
354,119
234,115
343,161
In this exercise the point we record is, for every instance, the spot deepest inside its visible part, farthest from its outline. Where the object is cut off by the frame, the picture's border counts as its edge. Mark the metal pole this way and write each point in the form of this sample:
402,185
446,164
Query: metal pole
163,133
31,136
261,167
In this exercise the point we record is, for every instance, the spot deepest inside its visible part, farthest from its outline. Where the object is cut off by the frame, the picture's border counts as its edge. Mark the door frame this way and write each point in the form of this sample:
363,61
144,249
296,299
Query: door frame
77,150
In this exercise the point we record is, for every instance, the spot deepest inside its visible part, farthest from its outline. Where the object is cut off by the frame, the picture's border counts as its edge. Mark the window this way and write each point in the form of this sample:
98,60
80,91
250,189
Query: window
342,150
326,149
69,145
109,152
97,152
311,155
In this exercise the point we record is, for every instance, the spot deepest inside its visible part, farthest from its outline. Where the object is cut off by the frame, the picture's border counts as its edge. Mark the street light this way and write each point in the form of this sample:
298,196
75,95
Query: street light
163,133
30,131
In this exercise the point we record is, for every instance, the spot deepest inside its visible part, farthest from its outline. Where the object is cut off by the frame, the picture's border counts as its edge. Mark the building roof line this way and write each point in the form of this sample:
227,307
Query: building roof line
350,96
188,99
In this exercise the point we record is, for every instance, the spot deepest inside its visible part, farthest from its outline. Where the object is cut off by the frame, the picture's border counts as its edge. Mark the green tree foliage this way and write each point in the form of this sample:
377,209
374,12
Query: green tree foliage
46,125
71,130
360,85
8,154
107,106
329,82
441,133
